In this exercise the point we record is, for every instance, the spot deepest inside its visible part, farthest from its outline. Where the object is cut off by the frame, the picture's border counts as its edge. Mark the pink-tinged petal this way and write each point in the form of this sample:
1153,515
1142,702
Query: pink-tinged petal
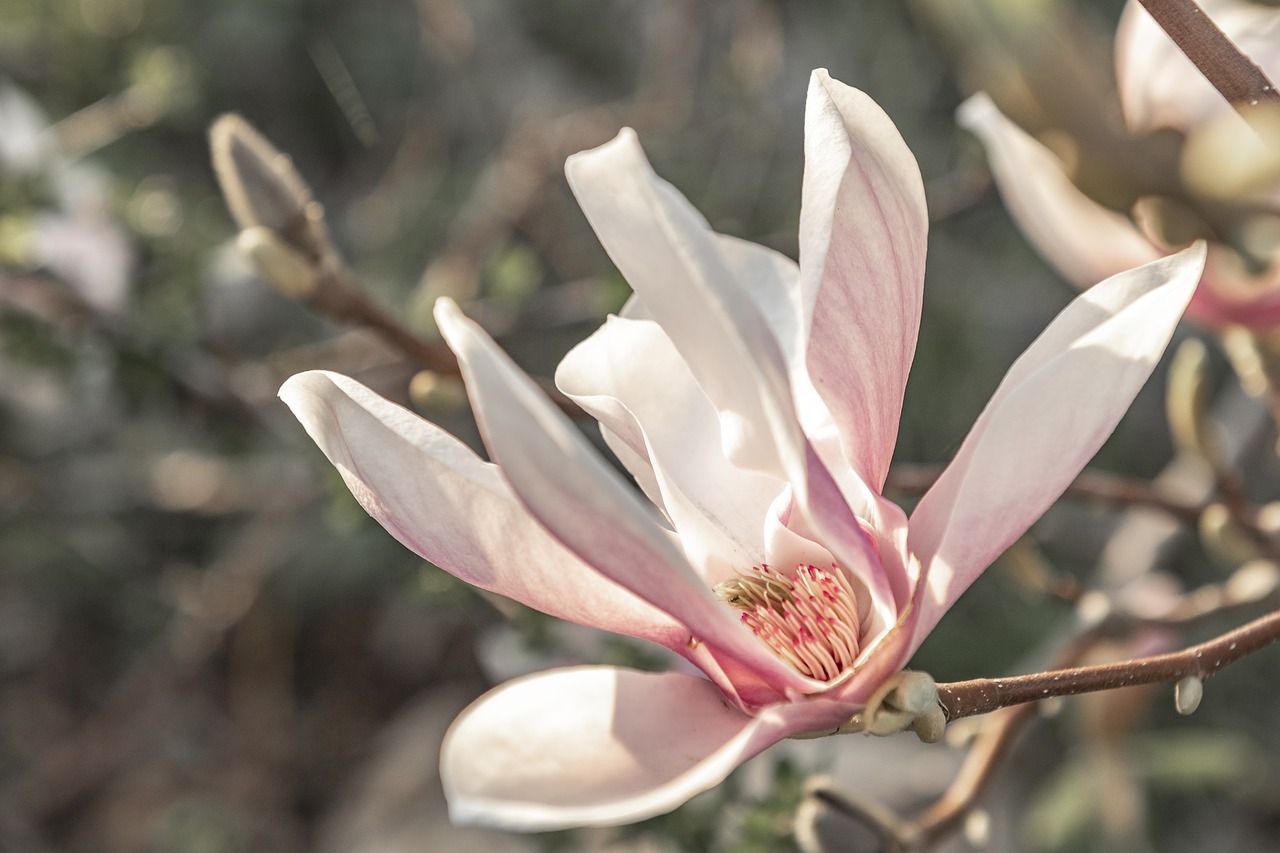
629,376
1057,405
863,229
448,506
568,487
1084,240
1160,87
683,273
598,746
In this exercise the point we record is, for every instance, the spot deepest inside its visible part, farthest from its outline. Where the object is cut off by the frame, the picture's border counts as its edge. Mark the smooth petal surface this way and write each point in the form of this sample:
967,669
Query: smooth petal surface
1057,405
678,267
591,746
630,377
450,507
682,272
863,229
1160,87
585,504
1085,241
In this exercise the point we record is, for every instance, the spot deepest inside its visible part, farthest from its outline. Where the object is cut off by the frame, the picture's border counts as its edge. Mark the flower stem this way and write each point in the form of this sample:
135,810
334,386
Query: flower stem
982,695
1233,74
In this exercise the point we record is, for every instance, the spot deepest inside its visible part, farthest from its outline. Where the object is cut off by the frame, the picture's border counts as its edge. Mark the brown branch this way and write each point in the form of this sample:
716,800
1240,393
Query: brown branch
336,295
284,234
1233,74
991,745
1122,492
983,695
996,737
1090,485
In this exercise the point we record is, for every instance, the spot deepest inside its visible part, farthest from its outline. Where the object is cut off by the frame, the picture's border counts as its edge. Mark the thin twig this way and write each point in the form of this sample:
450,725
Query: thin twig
1090,486
346,302
1232,73
983,695
991,745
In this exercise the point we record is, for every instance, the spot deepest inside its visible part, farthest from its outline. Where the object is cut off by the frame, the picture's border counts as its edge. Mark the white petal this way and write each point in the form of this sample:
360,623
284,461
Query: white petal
680,270
598,746
684,275
1057,405
629,376
448,506
585,504
1084,240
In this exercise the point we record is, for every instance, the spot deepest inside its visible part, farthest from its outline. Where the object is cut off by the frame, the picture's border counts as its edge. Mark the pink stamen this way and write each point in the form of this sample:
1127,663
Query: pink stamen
808,618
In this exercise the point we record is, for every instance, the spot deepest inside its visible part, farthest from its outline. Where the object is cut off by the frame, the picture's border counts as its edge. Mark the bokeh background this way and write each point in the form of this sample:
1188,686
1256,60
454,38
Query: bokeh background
206,646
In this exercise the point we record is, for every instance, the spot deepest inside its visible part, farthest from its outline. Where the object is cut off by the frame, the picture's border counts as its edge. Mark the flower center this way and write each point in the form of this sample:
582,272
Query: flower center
809,618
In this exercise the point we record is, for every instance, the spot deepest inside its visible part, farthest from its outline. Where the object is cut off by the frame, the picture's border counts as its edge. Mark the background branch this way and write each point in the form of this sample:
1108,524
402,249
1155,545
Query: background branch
1232,73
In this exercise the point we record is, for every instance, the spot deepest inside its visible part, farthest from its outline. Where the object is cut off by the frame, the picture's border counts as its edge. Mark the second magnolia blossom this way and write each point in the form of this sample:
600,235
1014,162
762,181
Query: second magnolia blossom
756,402
1225,186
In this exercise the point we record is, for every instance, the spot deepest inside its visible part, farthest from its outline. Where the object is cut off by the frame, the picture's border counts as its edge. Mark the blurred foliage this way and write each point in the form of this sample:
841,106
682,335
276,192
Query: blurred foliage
205,643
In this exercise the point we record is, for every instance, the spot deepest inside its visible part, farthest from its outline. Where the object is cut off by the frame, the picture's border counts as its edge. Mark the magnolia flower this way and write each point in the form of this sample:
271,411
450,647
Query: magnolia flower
755,402
1228,191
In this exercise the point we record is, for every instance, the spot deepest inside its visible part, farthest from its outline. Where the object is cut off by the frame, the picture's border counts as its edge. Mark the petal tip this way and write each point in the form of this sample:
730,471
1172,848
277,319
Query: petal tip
301,385
976,112
626,141
450,320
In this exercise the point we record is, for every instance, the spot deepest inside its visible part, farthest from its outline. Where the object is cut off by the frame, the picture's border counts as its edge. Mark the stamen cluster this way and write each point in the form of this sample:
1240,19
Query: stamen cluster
809,618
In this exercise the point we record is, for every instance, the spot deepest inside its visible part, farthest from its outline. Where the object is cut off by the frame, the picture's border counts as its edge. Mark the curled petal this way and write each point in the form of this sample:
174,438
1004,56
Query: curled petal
1057,405
1084,240
598,746
683,273
629,376
863,227
450,507
585,504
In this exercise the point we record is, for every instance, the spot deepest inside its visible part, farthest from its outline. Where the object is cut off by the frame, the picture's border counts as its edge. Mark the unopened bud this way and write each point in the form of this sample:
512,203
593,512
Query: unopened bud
888,721
261,186
916,692
282,266
1187,694
899,703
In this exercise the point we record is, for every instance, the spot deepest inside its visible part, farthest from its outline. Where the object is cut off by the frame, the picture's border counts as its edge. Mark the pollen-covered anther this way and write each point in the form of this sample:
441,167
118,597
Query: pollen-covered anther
808,618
